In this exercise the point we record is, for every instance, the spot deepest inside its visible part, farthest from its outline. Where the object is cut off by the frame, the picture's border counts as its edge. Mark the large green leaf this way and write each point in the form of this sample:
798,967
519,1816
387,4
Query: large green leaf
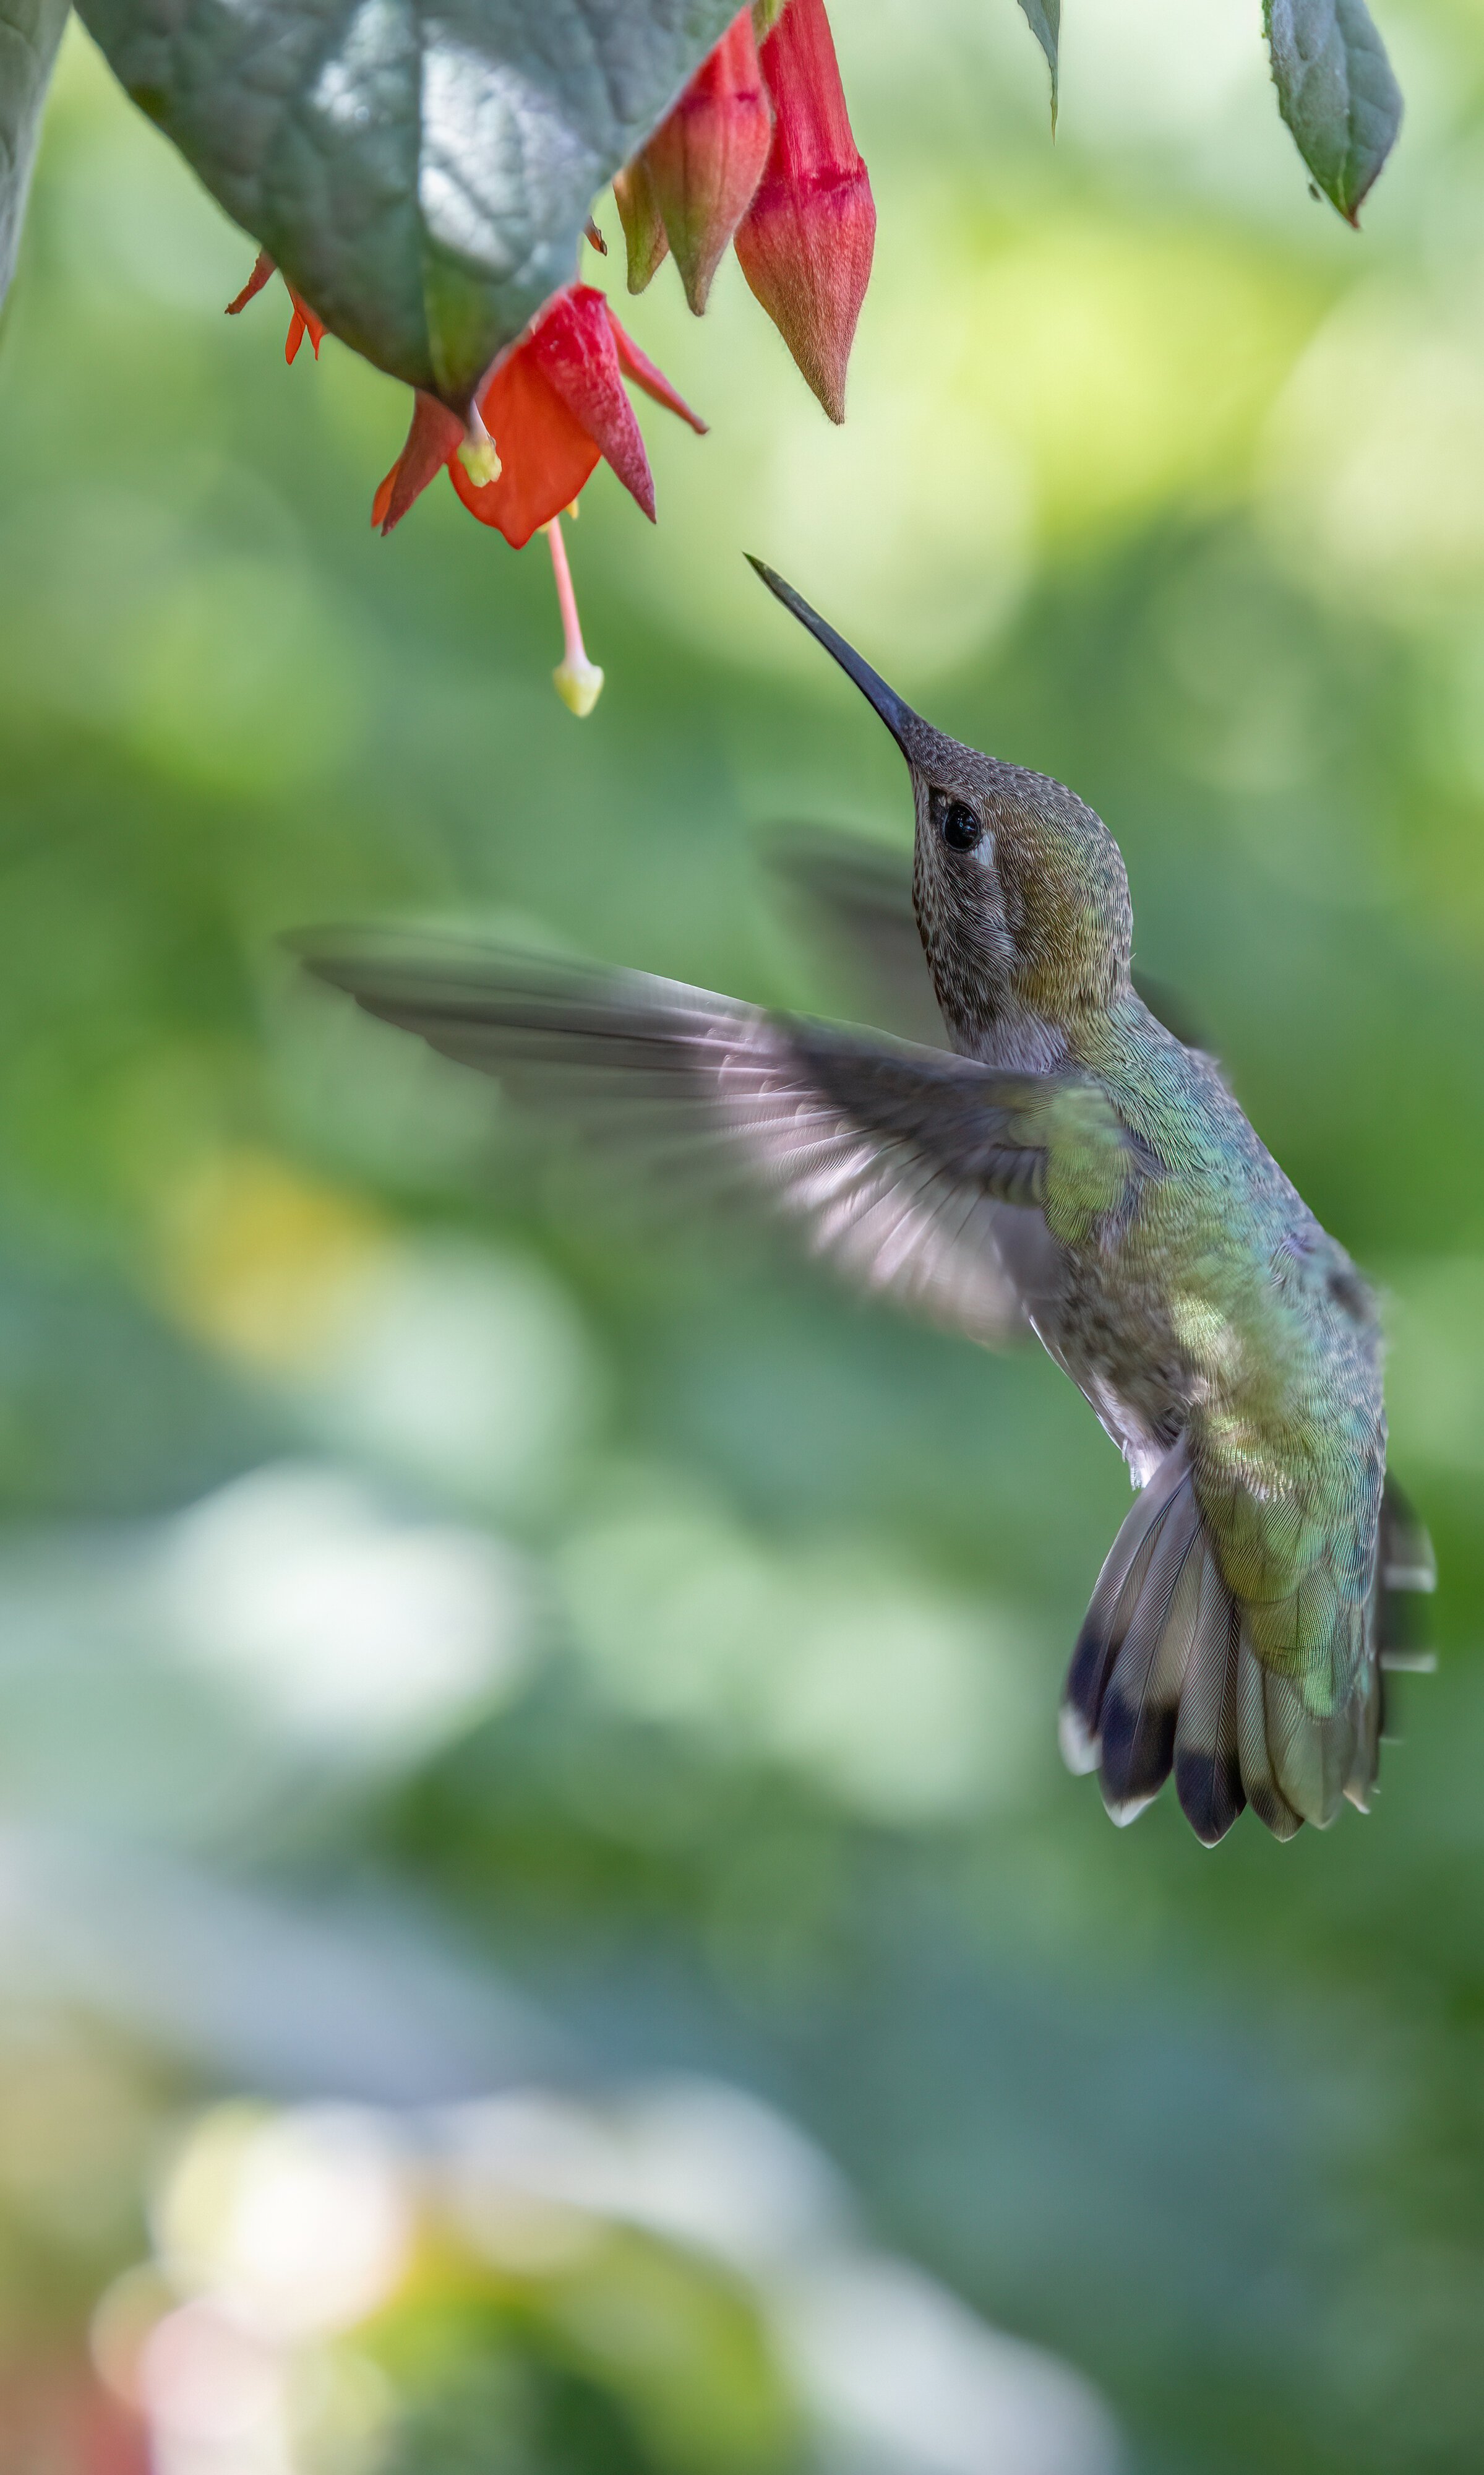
1336,91
1044,19
30,32
421,172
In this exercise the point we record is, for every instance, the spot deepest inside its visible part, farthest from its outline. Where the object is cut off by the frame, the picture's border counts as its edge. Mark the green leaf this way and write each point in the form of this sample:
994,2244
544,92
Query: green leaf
422,172
1044,19
30,32
1336,91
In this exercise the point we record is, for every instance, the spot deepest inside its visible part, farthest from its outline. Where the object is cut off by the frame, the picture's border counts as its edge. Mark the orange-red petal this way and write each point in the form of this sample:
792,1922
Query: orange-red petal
544,452
303,322
435,435
262,268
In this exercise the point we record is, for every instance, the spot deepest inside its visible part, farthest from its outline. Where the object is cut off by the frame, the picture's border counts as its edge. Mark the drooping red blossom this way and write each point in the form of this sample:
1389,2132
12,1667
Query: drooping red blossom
552,407
806,241
704,161
304,321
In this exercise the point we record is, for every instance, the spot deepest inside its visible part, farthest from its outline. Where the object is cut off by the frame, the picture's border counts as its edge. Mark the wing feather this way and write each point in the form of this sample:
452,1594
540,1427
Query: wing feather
909,1168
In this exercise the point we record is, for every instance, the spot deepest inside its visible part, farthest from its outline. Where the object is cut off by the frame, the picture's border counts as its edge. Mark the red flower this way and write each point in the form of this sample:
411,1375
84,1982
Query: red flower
705,162
552,407
806,241
304,321
549,408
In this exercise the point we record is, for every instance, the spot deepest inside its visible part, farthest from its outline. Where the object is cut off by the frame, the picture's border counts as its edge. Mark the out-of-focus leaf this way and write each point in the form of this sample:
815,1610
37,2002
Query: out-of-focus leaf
422,175
1044,19
1336,91
30,32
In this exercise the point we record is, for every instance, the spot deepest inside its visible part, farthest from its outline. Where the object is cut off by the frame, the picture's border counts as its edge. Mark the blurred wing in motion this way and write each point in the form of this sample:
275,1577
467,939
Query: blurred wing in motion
858,894
920,1174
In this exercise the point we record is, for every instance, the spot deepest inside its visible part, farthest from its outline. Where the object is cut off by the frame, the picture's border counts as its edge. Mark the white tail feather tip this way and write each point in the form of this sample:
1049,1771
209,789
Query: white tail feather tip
1410,1576
1080,1750
1129,1811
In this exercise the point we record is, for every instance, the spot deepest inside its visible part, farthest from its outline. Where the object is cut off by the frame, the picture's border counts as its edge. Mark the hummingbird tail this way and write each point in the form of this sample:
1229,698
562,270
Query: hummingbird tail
1165,1676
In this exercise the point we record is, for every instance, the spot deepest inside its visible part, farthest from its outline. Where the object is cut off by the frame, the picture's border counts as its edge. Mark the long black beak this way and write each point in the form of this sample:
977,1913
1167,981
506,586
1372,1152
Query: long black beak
899,717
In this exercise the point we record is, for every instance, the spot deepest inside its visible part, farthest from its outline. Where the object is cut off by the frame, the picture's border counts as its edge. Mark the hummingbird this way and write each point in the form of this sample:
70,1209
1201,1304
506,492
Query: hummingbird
1057,1158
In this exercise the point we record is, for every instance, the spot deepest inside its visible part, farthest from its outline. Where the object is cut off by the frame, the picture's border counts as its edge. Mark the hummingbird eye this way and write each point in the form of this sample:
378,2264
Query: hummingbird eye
960,829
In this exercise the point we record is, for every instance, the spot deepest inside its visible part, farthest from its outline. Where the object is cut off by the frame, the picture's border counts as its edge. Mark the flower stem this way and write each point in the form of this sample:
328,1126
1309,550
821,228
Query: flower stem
579,682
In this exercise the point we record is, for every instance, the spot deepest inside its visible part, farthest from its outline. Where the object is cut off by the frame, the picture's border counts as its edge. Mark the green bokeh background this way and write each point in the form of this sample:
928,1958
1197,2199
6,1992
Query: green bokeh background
1155,478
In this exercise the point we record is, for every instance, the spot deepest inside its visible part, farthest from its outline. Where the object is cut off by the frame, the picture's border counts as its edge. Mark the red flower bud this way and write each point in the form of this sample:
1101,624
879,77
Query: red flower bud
807,242
705,162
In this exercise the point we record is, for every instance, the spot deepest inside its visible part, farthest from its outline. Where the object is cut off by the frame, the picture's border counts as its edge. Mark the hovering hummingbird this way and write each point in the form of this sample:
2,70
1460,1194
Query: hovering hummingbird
1068,1163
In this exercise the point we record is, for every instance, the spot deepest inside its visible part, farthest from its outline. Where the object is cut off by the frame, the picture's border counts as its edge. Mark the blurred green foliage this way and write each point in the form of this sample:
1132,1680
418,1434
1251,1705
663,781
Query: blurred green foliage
1154,477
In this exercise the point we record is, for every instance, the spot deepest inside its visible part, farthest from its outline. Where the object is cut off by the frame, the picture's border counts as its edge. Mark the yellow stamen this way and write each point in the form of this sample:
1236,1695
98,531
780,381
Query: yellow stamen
478,453
579,682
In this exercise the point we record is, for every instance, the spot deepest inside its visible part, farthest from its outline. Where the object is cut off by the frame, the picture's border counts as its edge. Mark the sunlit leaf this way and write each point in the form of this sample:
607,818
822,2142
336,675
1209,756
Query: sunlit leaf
423,177
1336,91
30,32
1044,19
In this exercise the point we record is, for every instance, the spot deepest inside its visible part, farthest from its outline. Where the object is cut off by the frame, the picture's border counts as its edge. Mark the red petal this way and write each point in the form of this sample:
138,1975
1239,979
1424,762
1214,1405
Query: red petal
646,374
435,435
306,322
544,452
706,159
262,269
575,350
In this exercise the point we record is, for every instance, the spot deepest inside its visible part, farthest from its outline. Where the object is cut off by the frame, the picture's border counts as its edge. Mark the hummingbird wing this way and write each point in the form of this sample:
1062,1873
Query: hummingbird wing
922,1175
860,894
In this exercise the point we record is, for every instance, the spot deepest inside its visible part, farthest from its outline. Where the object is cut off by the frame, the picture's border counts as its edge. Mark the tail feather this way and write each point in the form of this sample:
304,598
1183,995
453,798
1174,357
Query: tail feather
1142,1696
1166,1675
1406,1574
1114,1597
1263,1793
1207,1764
1312,1755
1370,1705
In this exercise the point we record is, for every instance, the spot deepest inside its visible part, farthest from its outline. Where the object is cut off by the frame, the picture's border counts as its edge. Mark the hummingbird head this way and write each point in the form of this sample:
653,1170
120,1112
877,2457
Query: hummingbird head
1021,895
